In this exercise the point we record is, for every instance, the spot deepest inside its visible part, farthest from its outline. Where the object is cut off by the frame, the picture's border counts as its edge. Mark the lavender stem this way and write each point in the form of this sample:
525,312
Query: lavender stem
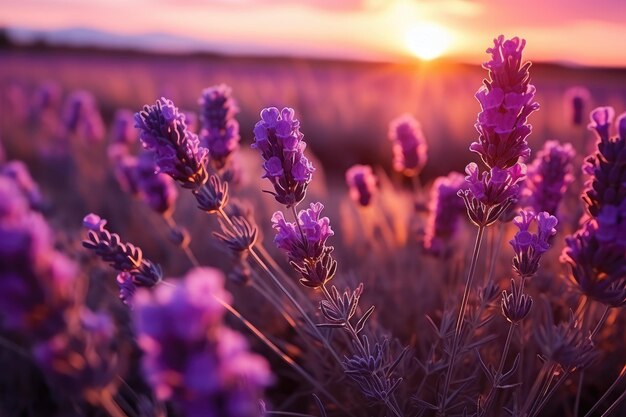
461,316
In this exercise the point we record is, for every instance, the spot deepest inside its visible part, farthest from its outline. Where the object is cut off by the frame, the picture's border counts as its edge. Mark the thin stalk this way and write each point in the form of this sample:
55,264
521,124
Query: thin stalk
536,386
279,352
389,402
581,377
549,393
305,316
613,406
607,392
171,223
461,316
498,375
291,298
495,253
109,404
13,347
605,315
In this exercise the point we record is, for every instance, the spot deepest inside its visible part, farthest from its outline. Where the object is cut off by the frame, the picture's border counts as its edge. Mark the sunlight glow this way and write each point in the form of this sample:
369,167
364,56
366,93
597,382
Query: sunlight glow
428,41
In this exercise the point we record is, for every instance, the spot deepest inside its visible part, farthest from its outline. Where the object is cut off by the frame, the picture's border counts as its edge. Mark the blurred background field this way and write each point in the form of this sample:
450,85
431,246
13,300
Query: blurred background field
346,106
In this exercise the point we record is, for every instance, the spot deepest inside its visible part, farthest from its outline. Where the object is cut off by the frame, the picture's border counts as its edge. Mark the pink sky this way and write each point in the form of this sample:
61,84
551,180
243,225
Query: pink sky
574,31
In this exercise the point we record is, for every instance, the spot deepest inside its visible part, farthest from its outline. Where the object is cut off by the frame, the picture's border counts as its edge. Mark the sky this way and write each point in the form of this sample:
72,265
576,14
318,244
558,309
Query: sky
584,32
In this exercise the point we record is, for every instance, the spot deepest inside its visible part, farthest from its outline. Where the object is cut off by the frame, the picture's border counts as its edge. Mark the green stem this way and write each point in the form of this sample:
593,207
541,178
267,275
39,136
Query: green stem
459,322
498,375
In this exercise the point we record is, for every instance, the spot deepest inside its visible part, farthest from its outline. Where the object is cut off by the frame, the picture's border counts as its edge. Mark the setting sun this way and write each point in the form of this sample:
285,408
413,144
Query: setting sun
428,41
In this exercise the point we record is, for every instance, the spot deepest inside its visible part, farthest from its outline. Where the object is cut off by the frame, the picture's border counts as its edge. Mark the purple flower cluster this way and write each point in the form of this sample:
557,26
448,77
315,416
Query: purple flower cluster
190,357
596,252
507,101
277,136
597,266
549,176
82,360
607,167
37,281
409,145
220,129
305,244
82,117
446,210
177,150
123,128
490,194
133,269
361,183
19,173
576,101
529,246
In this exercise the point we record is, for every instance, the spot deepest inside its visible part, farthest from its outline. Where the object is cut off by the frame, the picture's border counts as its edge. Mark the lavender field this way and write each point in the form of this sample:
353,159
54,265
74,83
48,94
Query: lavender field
195,235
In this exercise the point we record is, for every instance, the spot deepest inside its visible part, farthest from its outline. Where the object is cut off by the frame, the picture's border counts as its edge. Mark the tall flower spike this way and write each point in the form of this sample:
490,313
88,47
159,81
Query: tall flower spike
177,150
277,136
409,145
220,129
361,183
529,246
446,209
607,167
549,176
597,268
506,99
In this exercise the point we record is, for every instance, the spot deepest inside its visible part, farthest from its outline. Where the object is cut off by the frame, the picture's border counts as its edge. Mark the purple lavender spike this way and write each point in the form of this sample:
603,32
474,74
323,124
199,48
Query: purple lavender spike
506,99
220,129
362,184
177,150
277,136
409,145
446,209
549,176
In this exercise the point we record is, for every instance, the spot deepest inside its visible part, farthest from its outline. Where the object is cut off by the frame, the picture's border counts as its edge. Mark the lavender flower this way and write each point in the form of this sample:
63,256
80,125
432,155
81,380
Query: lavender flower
122,129
607,167
19,173
576,100
123,257
506,100
37,281
597,268
156,189
362,184
549,176
277,136
305,244
445,212
82,117
528,246
409,145
489,195
220,129
190,357
177,152
80,361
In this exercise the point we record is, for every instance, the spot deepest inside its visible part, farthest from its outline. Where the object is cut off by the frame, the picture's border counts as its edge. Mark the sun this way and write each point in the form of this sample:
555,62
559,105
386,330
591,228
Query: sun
428,41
